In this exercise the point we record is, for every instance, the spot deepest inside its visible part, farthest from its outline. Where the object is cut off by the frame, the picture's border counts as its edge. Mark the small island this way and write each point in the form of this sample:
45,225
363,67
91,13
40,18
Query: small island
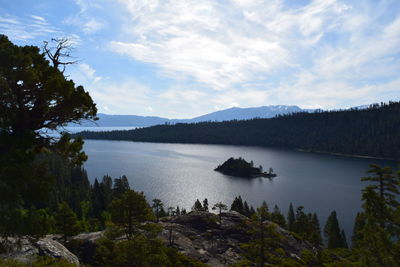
241,168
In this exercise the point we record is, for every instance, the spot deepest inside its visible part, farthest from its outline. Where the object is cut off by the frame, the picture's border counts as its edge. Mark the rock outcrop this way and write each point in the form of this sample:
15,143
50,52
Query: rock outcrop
199,235
26,249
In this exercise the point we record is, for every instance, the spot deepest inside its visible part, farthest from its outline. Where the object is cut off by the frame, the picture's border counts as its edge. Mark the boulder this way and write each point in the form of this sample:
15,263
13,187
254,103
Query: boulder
26,249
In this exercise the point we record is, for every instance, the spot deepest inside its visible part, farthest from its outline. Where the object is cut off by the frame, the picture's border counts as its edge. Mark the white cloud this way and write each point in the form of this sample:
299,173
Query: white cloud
84,5
192,57
92,26
38,18
85,23
26,28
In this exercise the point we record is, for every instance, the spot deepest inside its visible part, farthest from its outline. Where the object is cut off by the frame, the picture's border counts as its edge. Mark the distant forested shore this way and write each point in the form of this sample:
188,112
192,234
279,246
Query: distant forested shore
373,132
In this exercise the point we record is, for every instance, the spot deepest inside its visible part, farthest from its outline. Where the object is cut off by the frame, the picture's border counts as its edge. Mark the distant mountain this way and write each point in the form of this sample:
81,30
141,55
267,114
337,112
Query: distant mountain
106,120
247,113
234,113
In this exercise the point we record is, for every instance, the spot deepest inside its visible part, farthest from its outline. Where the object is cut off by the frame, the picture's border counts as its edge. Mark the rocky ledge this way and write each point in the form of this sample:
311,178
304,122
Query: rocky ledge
199,235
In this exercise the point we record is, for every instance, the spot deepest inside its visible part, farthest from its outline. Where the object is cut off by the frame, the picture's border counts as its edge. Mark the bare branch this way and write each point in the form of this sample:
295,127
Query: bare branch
62,50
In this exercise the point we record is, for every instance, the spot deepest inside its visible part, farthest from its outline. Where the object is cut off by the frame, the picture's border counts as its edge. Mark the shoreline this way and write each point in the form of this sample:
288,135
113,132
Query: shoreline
345,155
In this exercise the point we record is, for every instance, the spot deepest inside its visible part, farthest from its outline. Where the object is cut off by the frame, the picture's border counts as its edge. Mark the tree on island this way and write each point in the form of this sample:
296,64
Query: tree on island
241,168
220,206
35,97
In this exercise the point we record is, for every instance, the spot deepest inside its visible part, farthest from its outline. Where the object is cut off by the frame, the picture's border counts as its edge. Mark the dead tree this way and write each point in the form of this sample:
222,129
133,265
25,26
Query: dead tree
60,52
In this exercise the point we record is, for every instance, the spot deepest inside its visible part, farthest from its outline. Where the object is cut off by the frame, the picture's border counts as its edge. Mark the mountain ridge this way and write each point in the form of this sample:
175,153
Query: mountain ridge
233,113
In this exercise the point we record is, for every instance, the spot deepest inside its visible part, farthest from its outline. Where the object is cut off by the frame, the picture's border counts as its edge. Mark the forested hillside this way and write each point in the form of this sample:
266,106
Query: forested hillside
374,131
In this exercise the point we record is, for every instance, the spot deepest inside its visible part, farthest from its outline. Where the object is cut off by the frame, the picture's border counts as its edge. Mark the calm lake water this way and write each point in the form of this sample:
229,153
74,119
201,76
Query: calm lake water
178,174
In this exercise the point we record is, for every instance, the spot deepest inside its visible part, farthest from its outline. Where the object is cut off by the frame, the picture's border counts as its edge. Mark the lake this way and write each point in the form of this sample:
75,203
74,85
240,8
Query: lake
178,174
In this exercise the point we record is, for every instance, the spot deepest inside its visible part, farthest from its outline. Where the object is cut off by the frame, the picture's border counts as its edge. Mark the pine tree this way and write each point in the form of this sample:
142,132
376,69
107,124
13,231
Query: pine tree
315,237
205,205
246,210
277,217
121,185
358,234
291,219
378,231
237,205
220,207
157,208
332,232
197,206
129,211
264,238
387,185
66,221
265,210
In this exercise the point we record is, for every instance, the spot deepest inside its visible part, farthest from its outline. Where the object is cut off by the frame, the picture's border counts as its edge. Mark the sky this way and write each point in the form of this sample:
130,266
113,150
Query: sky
185,58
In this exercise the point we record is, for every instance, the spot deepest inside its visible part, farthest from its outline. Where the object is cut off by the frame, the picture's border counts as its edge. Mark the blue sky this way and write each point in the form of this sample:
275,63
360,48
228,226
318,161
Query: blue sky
181,59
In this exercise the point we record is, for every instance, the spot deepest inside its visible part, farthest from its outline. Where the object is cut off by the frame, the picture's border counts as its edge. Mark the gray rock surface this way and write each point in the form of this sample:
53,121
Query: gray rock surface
26,249
199,235
91,237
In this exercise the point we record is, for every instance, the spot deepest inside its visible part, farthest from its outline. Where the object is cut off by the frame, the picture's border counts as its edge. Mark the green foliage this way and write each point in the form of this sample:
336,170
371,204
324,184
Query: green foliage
129,211
277,217
305,226
237,204
291,219
242,207
377,228
220,207
197,206
333,233
66,221
239,167
265,239
158,208
358,234
71,183
37,222
141,250
35,96
121,185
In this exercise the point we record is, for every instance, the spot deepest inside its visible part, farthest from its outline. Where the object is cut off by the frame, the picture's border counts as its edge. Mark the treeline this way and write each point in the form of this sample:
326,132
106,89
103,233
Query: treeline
369,132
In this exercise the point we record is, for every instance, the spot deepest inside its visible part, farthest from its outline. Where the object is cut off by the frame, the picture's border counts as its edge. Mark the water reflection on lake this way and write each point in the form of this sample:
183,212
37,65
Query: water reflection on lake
178,174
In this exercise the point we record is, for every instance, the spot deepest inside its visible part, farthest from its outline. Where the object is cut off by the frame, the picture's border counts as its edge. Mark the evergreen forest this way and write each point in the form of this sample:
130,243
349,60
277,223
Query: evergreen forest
373,132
